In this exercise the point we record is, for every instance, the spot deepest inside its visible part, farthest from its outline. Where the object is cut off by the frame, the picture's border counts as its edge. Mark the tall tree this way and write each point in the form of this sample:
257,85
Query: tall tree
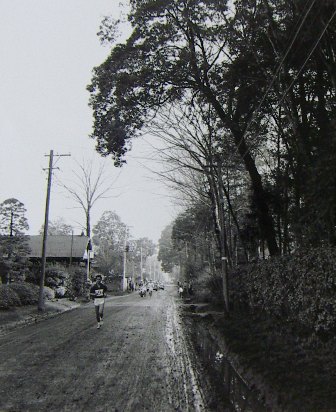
168,255
305,91
109,235
141,250
178,51
13,242
200,164
267,69
13,221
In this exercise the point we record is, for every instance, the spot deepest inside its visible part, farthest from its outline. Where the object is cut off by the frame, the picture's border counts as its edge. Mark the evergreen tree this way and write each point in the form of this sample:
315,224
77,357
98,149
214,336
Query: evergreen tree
13,242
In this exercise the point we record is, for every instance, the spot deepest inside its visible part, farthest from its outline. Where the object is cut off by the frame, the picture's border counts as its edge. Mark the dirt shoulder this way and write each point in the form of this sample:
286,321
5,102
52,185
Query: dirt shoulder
21,316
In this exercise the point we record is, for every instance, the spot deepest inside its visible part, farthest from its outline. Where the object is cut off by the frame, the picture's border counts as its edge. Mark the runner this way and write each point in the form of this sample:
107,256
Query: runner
150,289
181,291
98,293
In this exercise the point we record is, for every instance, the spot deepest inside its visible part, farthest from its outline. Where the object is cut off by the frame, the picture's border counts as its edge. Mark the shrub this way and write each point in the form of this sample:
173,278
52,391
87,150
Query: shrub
299,288
60,292
48,293
208,288
33,275
8,297
76,284
52,282
27,292
56,275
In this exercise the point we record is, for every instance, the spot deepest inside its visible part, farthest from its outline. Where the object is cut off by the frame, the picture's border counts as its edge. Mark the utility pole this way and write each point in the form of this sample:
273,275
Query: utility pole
141,271
45,231
71,247
124,284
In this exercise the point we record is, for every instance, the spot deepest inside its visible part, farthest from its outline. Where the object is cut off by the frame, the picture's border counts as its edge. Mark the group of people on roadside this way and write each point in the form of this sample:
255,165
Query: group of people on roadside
98,294
144,288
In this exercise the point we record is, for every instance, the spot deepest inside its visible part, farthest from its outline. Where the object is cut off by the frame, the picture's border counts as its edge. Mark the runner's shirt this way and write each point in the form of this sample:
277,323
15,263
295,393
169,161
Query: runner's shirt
99,293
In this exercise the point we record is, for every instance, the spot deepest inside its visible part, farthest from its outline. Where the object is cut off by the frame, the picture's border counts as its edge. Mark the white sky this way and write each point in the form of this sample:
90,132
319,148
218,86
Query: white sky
48,49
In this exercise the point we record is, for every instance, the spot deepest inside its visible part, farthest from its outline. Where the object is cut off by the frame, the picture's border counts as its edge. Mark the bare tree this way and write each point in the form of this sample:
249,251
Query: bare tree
201,165
89,187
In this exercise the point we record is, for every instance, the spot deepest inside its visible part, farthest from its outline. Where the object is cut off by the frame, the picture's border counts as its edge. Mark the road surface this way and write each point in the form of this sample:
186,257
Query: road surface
138,360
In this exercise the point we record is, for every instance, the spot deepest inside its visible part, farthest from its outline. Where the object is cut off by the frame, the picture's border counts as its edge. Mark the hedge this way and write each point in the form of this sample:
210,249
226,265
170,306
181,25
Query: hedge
27,292
300,288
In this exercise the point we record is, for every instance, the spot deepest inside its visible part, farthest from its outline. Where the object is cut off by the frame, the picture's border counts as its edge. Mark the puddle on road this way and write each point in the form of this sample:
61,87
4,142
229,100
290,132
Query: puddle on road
229,391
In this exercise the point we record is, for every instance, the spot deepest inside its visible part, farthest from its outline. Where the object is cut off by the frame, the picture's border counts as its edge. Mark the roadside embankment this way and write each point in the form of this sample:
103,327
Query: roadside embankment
21,316
284,369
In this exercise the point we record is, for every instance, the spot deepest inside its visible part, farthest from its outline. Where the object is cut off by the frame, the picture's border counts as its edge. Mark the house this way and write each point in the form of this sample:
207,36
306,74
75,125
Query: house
65,249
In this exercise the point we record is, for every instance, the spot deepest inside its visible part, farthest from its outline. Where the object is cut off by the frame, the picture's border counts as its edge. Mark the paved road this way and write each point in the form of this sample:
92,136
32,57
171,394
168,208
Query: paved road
138,360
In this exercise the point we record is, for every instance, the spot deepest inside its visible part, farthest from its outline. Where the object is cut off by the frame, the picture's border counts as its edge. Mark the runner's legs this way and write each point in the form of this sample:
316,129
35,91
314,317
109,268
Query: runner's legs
99,311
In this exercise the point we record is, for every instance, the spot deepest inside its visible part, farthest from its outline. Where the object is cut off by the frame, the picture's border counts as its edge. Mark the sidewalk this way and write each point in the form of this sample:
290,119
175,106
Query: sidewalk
22,316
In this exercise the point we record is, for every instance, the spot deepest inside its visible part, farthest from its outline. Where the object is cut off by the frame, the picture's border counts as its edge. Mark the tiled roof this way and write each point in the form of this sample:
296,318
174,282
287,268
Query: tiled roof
60,246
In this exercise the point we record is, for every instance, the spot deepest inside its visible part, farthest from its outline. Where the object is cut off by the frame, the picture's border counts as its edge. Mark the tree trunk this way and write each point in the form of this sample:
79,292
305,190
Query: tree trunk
88,222
265,220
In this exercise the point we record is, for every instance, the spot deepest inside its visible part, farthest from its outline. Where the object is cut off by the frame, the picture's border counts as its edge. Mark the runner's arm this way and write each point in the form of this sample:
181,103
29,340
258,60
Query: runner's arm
92,293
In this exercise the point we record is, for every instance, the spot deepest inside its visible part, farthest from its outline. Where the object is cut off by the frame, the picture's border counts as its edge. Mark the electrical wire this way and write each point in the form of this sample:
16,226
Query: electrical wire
277,71
306,61
295,78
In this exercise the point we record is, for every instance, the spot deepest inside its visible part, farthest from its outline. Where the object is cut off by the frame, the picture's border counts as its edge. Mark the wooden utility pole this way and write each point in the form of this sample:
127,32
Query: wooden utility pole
45,231
124,285
141,270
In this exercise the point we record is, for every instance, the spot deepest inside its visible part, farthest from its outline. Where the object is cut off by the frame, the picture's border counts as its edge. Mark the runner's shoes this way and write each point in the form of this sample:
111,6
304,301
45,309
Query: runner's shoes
98,326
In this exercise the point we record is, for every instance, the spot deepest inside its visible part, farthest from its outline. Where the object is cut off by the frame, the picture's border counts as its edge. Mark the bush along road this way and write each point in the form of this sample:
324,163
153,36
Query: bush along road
137,361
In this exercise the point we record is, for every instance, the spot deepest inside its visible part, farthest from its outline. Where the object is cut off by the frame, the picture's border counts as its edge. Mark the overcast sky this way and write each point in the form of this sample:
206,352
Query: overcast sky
48,49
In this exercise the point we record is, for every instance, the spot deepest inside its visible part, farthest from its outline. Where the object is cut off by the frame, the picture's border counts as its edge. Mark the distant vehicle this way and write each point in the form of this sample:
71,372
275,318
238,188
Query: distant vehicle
161,286
155,286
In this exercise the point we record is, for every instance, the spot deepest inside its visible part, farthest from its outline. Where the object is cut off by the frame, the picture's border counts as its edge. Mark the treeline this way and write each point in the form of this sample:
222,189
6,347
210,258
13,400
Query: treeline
111,240
243,95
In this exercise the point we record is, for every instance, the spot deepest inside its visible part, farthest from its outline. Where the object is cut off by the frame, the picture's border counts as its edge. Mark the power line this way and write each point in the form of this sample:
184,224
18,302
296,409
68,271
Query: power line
308,57
295,77
277,71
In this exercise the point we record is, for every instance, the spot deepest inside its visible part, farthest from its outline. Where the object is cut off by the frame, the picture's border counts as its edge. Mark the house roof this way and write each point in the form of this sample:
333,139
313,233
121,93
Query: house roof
58,246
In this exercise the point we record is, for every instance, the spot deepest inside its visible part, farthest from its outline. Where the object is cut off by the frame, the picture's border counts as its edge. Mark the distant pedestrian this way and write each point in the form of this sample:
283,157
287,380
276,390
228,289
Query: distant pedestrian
181,291
98,294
